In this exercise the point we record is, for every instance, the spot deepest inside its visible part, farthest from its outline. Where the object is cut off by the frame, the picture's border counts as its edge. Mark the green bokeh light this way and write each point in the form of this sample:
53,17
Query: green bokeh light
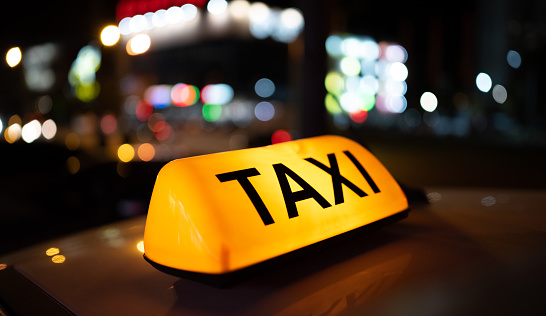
212,112
368,102
334,83
332,105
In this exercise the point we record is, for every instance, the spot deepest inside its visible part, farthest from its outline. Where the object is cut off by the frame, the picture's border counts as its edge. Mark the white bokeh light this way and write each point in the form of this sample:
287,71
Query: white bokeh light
398,71
140,43
189,12
499,94
217,6
264,111
428,101
49,129
31,131
483,82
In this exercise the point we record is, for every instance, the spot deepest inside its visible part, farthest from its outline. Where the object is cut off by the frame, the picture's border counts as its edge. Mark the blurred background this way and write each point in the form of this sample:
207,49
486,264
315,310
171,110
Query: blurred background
96,96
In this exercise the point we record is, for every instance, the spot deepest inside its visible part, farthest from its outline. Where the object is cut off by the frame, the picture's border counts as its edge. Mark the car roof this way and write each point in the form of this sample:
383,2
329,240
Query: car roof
451,254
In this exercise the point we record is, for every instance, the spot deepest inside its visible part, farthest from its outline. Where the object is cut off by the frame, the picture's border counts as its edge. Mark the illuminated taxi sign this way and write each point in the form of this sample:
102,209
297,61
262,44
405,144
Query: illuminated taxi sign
223,212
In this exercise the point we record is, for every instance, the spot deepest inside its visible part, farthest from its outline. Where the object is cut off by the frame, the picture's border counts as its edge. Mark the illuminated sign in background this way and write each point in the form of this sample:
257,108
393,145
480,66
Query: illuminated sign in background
367,87
145,24
365,75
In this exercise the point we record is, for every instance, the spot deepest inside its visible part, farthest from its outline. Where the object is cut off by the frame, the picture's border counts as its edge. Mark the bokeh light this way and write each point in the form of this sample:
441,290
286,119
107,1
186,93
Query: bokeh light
13,133
264,87
369,49
483,82
149,20
351,47
72,141
332,105
138,44
143,111
428,101
239,9
174,15
350,66
393,87
31,131
333,45
211,112
87,92
369,84
83,69
260,21
44,104
398,71
126,153
499,94
334,83
189,12
49,129
82,74
292,18
159,96
146,152
162,130
514,59
359,116
396,54
264,111
110,35
217,7
15,119
14,56
184,94
108,124
159,19
290,26
280,136
138,23
154,119
396,103
123,26
351,102
73,165
217,93
368,101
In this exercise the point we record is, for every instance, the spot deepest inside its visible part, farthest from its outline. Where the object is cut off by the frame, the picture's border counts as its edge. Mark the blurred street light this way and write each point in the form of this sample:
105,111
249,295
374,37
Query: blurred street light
13,56
110,35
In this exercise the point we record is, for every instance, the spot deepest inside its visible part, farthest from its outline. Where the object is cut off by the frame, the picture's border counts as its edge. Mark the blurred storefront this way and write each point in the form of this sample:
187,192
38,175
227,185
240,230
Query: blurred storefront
189,77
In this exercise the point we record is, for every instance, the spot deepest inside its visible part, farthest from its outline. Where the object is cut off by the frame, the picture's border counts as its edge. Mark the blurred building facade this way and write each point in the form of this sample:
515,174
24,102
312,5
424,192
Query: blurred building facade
220,75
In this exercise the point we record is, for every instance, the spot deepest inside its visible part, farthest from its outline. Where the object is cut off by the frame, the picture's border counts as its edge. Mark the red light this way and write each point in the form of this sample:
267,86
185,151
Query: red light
359,117
184,95
130,8
162,130
280,136
108,124
143,111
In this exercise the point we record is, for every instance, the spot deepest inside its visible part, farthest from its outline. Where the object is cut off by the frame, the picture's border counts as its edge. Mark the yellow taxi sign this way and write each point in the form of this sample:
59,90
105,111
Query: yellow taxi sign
219,213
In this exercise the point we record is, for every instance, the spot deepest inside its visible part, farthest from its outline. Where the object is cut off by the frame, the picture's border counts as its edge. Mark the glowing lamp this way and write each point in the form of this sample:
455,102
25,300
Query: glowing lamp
226,213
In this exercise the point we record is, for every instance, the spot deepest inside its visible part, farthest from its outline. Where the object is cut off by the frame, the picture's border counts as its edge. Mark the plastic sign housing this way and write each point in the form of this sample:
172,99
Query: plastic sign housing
219,213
